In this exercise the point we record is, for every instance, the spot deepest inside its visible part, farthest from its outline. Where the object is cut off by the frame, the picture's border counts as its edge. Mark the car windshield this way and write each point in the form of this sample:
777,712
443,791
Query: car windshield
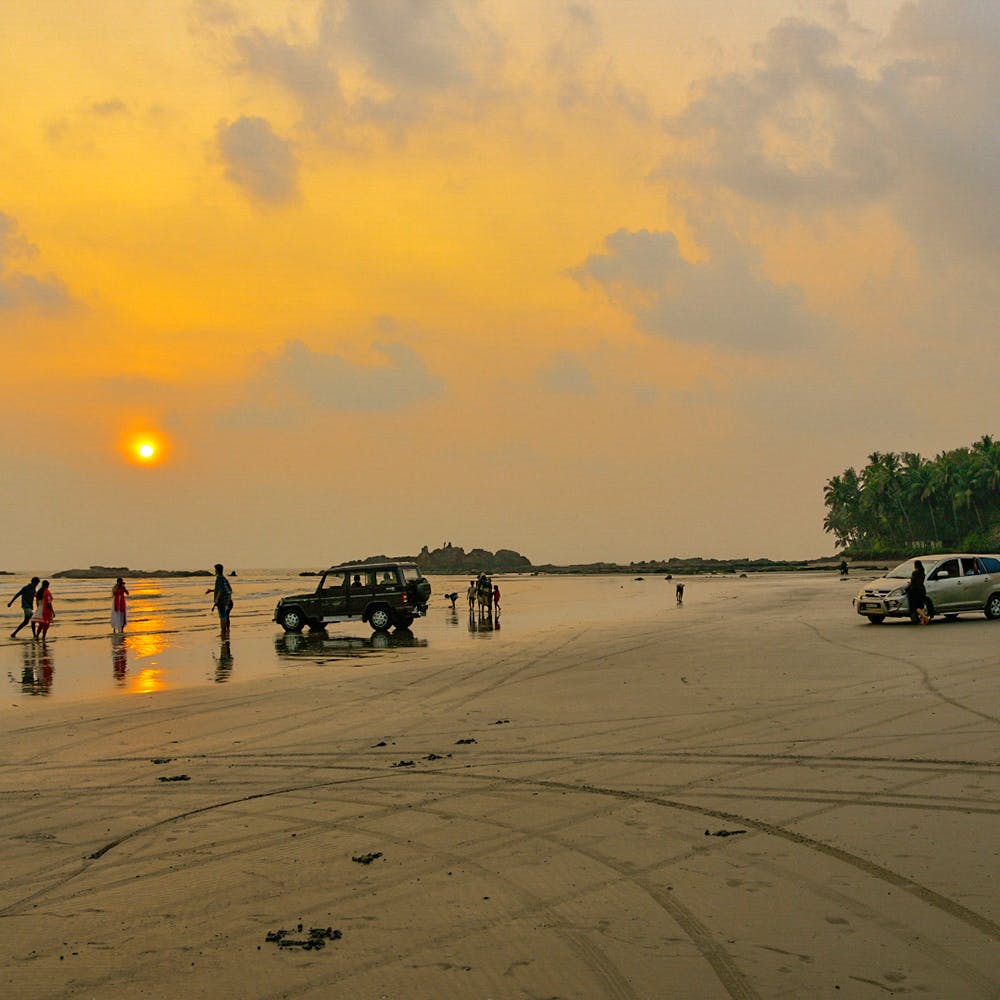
903,571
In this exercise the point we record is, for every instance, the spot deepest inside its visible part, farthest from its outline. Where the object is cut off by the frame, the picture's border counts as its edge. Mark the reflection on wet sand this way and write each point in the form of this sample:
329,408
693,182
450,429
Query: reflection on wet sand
320,646
484,621
119,658
223,662
38,671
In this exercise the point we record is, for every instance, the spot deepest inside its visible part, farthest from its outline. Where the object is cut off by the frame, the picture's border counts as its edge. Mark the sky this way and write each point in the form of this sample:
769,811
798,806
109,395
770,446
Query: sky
602,280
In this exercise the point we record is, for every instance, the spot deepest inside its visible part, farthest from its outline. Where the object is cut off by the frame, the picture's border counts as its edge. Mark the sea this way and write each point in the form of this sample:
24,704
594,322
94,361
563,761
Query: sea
173,640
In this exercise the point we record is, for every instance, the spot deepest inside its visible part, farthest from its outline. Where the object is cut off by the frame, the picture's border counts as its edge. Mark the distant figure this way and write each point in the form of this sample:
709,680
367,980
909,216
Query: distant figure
356,582
44,612
222,599
453,597
471,594
843,567
916,595
679,592
496,598
27,595
118,615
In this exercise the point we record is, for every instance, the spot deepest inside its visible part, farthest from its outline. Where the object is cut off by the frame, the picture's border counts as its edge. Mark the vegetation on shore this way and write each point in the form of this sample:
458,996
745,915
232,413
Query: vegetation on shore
900,505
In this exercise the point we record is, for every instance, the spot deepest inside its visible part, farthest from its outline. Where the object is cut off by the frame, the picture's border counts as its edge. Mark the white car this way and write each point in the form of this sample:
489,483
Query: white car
954,582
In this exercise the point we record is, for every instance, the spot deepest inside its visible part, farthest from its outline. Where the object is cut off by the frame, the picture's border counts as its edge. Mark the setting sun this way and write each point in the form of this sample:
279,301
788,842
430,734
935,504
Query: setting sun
146,450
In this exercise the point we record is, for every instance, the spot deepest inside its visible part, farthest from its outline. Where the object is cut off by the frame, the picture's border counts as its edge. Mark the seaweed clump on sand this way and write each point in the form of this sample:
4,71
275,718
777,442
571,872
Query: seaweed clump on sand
315,939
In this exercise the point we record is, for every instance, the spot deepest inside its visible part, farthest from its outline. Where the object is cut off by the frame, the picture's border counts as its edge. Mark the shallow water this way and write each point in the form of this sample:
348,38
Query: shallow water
172,639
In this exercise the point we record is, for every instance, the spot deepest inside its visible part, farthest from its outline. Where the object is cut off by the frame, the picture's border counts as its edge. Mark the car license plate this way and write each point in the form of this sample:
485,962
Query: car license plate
869,606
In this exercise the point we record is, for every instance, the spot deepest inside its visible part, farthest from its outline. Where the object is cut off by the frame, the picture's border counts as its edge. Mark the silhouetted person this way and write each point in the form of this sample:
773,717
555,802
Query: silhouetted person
679,593
916,595
222,599
119,594
44,611
27,595
843,567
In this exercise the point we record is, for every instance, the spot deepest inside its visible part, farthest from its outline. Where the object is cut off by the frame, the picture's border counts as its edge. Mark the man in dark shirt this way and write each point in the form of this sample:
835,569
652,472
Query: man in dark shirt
27,595
222,598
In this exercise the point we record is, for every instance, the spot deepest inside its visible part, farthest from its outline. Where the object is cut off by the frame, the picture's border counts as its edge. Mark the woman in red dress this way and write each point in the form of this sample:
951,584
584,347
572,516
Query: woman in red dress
118,603
44,612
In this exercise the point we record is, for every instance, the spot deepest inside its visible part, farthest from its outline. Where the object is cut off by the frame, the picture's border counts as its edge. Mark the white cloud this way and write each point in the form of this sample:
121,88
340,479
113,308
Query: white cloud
258,160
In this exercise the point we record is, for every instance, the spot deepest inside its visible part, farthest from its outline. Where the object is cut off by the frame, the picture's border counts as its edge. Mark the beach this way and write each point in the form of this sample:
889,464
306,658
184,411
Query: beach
754,795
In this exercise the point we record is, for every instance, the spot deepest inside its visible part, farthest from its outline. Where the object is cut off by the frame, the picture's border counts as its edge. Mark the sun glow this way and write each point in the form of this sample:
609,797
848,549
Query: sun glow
145,448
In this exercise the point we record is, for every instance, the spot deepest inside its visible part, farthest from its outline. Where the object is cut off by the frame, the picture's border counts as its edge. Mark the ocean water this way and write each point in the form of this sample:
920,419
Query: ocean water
172,639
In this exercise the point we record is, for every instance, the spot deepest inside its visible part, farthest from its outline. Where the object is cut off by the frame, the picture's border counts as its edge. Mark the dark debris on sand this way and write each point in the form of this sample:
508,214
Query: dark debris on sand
367,859
174,777
723,833
403,763
459,743
316,940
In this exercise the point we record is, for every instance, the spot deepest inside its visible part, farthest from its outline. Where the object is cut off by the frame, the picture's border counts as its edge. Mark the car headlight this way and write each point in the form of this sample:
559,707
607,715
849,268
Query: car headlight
898,592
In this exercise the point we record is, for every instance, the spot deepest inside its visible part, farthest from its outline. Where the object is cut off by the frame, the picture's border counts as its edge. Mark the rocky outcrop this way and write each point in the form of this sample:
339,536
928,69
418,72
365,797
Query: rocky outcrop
113,572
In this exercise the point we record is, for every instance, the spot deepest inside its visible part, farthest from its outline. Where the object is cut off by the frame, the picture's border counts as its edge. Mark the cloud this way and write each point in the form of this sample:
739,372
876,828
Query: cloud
382,62
258,160
810,127
724,302
19,289
298,376
566,373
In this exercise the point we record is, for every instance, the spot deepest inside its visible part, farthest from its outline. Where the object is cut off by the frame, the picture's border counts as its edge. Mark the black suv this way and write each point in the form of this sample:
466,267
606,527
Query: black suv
383,594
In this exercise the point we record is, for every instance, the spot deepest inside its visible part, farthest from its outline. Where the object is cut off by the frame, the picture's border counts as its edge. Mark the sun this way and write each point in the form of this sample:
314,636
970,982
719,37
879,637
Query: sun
145,447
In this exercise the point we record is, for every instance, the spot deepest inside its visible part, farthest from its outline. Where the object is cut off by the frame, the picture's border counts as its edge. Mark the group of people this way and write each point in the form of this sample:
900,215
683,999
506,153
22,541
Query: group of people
36,606
482,585
38,609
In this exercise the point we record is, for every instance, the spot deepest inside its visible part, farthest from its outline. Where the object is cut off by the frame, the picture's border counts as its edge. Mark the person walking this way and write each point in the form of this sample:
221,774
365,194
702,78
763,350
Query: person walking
222,600
496,598
119,593
27,595
44,612
916,595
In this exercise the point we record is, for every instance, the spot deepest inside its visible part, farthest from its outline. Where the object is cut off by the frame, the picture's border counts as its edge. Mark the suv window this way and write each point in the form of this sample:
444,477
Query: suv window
387,580
335,581
411,573
947,569
971,567
992,565
365,579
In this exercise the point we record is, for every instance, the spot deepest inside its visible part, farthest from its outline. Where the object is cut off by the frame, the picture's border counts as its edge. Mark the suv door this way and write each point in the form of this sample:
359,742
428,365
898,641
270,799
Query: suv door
975,583
362,585
332,595
944,586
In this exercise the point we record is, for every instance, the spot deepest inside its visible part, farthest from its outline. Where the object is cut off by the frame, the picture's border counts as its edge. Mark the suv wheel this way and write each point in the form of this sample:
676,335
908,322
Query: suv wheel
992,608
292,620
380,618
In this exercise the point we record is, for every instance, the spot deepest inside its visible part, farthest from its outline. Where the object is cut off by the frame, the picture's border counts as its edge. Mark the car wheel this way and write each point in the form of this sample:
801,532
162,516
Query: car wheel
403,620
876,619
380,618
292,620
992,609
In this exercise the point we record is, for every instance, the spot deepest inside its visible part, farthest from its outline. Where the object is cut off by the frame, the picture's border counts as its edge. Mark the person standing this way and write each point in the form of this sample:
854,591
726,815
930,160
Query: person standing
222,600
44,612
118,605
471,594
27,595
496,598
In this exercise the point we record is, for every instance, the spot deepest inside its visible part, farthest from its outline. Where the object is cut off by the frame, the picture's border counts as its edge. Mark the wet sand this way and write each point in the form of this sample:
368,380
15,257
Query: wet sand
756,795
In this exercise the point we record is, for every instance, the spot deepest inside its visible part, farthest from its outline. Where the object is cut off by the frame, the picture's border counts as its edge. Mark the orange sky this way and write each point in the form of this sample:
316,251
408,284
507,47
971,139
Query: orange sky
608,280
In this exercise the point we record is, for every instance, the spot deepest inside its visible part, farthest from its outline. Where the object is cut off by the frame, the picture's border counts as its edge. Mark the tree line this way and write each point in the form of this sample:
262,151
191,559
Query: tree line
903,504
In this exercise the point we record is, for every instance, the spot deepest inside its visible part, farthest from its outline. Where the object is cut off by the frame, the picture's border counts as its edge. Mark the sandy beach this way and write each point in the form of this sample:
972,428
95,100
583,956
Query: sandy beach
755,795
